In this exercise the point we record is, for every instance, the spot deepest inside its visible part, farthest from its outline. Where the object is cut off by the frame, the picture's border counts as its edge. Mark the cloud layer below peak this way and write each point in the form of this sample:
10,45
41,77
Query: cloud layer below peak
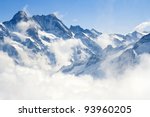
18,82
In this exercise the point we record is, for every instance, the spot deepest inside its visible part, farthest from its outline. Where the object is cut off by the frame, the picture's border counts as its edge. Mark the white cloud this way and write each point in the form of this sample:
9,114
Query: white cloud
17,82
63,50
104,40
142,26
23,26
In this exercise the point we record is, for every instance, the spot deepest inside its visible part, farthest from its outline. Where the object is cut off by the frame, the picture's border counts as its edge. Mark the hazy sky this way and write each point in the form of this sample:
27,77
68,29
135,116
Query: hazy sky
119,16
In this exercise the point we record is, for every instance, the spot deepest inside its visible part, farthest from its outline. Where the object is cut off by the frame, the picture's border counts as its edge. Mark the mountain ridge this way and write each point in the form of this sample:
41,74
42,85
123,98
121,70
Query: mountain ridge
73,50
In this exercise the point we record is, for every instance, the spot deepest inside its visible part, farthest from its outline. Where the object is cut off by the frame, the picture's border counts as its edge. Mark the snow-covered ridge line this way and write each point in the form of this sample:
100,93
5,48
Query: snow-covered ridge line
71,50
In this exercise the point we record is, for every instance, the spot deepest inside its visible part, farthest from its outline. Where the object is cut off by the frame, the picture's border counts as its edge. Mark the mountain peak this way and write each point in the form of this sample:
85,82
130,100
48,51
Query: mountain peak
52,15
20,15
48,17
51,24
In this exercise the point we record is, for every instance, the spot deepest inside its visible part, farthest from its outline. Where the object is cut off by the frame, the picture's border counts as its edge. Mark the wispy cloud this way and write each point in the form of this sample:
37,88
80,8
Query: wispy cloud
25,9
23,26
17,82
58,14
142,26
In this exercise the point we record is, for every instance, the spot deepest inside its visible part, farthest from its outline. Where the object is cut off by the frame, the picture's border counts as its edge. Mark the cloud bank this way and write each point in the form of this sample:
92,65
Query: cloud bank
17,82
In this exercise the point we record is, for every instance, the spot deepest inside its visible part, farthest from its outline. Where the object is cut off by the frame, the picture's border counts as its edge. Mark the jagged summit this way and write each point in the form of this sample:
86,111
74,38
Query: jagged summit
51,24
53,15
76,29
47,16
19,16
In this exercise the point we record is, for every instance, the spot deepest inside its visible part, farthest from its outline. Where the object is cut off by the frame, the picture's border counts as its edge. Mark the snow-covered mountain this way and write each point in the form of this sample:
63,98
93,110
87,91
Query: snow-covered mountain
30,40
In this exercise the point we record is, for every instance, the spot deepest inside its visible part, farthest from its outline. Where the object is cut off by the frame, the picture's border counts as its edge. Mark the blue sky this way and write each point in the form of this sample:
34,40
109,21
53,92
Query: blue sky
111,16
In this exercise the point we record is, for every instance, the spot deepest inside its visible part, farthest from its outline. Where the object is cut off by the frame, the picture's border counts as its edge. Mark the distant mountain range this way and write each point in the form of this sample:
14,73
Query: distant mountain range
71,50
